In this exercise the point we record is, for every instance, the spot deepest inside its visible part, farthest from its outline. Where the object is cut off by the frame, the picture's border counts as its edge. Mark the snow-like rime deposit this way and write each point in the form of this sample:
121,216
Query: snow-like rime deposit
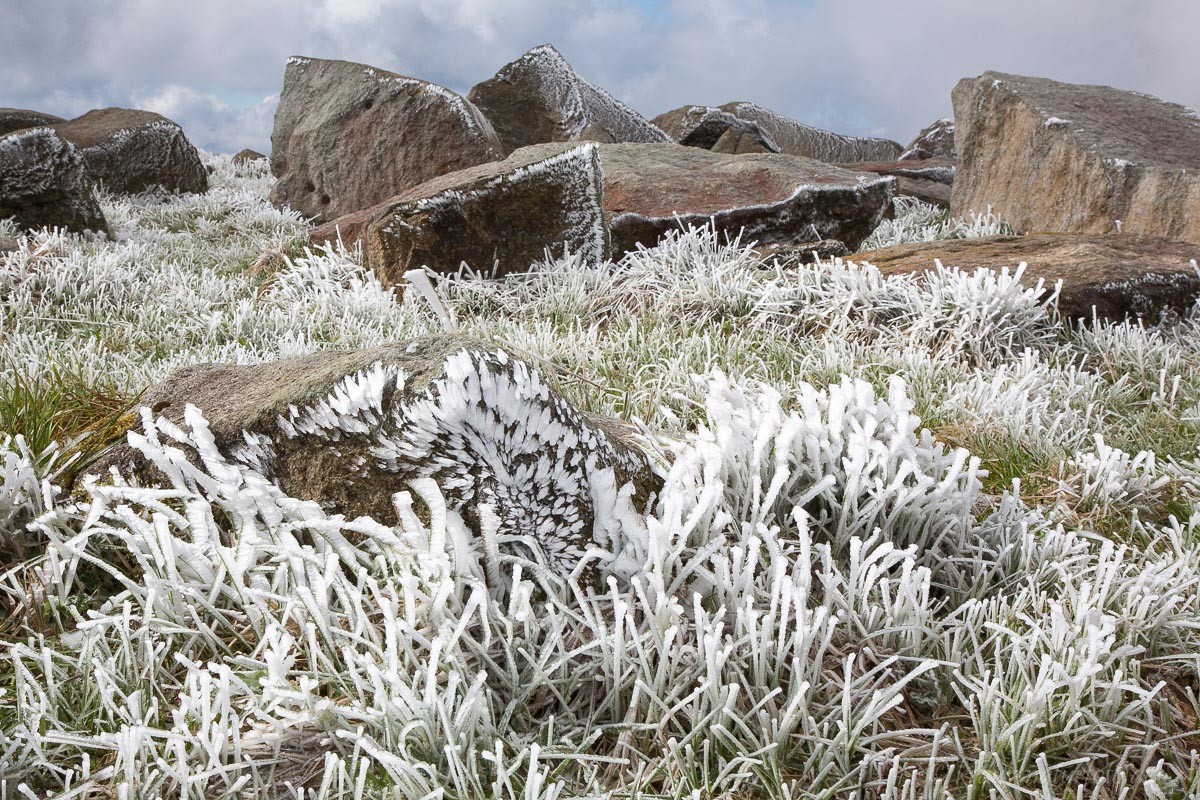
915,538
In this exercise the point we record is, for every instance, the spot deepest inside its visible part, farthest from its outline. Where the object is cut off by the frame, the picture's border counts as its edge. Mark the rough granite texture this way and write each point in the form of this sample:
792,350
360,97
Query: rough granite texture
935,141
348,136
714,129
130,151
1119,276
797,139
350,428
15,119
45,183
650,189
1051,156
540,98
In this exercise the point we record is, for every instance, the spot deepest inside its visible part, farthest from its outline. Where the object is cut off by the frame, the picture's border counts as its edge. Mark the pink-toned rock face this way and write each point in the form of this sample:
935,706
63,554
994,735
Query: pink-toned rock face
348,136
1051,156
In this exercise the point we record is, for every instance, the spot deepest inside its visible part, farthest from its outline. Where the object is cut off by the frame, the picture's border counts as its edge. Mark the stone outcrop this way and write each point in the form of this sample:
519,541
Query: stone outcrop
797,139
498,218
540,98
714,129
246,156
130,151
1051,156
350,428
45,183
650,189
15,119
930,181
1118,276
348,136
935,141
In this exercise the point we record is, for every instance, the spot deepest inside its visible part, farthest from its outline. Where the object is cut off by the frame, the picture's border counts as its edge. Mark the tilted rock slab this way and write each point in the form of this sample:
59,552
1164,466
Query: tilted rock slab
797,139
130,151
348,136
15,119
714,129
935,141
540,98
1051,156
45,183
498,218
650,189
1118,276
350,428
929,180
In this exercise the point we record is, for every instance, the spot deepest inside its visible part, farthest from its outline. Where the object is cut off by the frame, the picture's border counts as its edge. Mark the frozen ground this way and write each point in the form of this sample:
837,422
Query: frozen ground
916,539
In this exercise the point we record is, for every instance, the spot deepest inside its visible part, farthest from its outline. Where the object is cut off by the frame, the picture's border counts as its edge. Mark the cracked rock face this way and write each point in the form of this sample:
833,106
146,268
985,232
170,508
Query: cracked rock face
350,428
130,151
15,119
1051,156
44,183
349,136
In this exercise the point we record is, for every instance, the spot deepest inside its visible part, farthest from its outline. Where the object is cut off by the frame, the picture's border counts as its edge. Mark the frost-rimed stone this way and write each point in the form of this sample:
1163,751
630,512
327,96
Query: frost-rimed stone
929,180
714,129
540,98
351,428
1051,156
44,183
935,141
348,136
797,139
15,119
131,151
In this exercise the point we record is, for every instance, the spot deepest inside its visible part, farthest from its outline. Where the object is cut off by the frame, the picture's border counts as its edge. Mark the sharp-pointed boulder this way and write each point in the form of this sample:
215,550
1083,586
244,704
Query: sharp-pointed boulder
15,119
1052,156
45,183
348,136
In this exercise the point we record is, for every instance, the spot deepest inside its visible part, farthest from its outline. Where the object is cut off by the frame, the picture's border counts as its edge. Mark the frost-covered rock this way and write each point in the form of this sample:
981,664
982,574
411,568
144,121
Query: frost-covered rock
498,218
1051,156
351,428
44,183
540,98
714,129
15,119
130,151
1117,276
935,141
348,136
650,189
248,155
797,139
929,180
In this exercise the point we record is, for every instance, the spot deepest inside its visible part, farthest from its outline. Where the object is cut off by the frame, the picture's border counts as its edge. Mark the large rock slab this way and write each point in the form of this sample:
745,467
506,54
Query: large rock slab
348,136
45,183
1118,276
350,428
540,98
650,189
130,151
1051,156
797,139
15,119
714,129
929,180
498,218
935,141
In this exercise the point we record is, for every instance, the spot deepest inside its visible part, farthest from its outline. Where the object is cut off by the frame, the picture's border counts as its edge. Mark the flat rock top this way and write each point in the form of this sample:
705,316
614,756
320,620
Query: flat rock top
660,179
96,127
1117,124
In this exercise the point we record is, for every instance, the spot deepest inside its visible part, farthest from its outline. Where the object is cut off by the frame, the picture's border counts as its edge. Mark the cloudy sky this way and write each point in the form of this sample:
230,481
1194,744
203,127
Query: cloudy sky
878,67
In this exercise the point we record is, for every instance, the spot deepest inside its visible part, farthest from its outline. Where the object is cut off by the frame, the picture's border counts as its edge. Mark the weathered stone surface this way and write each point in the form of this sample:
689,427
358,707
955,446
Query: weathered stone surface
1118,275
502,216
1050,156
540,98
15,119
7,244
797,139
714,129
248,155
131,151
348,136
936,141
929,181
350,428
650,189
44,183
803,253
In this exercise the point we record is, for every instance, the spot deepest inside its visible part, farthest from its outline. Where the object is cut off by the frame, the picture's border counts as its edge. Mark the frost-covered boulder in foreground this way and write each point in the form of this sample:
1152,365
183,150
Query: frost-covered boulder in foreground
348,136
797,139
44,183
1051,156
351,428
131,151
650,189
540,98
15,119
498,218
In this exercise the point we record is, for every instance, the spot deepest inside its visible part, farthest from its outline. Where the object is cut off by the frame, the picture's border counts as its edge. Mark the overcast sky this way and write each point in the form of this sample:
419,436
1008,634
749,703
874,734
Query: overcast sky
877,67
